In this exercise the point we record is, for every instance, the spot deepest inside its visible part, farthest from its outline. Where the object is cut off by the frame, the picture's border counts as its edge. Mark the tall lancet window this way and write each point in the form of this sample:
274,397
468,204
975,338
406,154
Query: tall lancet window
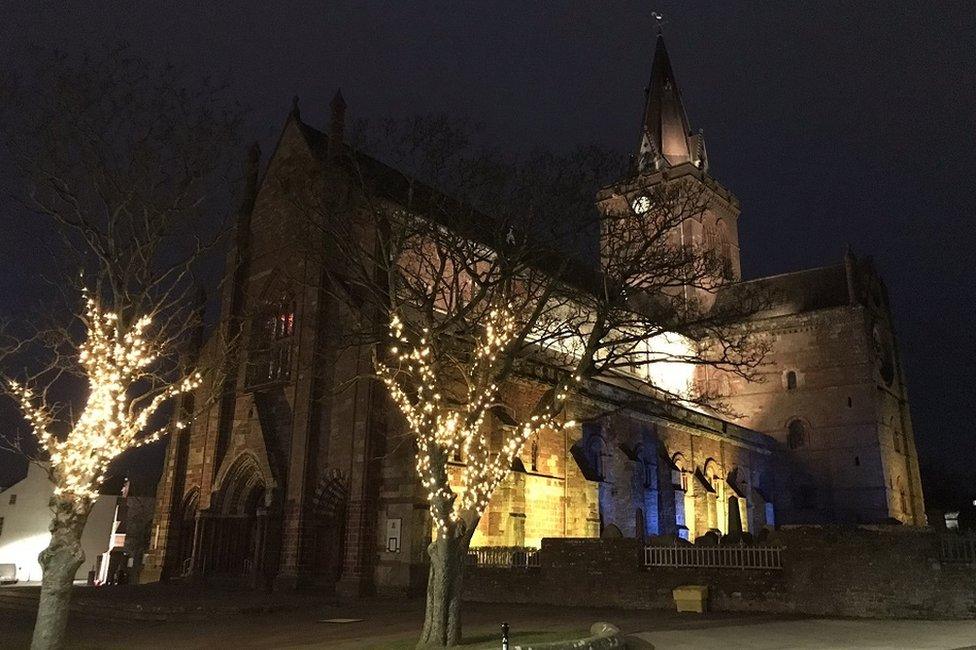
272,338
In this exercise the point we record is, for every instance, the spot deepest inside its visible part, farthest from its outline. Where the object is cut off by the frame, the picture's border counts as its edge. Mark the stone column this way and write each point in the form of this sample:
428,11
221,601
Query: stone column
202,538
361,546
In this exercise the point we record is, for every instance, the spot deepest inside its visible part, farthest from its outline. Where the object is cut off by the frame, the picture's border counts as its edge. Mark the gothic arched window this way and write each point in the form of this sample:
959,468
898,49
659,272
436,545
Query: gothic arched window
272,335
796,434
596,449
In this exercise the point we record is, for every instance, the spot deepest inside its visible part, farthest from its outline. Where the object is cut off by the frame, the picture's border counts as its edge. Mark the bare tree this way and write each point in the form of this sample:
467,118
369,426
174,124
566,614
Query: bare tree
128,164
459,293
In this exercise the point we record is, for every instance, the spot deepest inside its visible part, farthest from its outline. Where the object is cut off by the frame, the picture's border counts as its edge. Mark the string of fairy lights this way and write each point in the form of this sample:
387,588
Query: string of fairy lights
443,429
115,359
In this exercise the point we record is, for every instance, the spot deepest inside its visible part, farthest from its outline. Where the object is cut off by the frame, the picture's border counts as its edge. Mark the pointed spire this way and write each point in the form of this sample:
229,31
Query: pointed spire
666,136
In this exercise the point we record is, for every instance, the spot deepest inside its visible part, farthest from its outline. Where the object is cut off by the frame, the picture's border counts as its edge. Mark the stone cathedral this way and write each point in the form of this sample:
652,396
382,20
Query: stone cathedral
295,476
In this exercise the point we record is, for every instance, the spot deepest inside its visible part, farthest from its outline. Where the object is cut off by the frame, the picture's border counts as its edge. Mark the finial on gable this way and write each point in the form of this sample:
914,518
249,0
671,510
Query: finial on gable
294,107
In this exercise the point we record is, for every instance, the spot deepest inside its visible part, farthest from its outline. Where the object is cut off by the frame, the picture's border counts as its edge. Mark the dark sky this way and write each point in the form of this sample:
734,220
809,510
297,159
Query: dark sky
834,123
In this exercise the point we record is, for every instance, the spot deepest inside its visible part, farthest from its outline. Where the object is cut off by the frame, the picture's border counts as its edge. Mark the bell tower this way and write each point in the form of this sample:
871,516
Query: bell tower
666,139
668,152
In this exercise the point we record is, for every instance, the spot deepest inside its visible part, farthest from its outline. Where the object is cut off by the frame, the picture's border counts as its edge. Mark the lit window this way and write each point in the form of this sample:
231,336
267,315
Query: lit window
796,434
270,358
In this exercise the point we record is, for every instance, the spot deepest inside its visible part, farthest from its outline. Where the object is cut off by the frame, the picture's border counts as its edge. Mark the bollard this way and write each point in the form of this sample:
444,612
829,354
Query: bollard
504,636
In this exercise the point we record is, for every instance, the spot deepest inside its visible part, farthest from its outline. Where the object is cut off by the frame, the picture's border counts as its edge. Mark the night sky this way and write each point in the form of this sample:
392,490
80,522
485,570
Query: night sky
834,123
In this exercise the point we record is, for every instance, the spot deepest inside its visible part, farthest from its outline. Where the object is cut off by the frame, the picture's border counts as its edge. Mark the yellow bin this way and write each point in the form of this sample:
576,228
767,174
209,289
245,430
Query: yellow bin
691,598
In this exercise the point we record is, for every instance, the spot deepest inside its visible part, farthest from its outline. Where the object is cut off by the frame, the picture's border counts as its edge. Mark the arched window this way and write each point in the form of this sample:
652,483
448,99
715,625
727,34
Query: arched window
796,434
272,335
791,380
679,475
596,451
684,503
710,237
715,497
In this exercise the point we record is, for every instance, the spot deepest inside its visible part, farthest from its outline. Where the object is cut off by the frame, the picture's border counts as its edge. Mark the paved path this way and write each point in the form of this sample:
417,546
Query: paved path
209,618
820,634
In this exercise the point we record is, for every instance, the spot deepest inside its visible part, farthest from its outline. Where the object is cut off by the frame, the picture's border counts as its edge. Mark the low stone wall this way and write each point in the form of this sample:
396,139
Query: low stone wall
849,572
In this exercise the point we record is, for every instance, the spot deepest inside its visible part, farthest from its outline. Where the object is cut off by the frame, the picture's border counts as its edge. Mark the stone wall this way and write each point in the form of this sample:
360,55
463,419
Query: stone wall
847,572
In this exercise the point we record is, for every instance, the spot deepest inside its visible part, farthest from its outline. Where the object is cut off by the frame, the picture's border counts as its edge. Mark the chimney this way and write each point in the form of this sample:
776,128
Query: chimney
337,125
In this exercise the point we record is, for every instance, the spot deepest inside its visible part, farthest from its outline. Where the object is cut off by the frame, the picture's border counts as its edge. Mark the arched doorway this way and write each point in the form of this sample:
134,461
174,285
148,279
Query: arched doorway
235,542
187,530
328,527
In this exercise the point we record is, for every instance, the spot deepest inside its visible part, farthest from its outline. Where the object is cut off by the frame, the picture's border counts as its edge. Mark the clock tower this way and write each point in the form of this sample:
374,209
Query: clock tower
669,152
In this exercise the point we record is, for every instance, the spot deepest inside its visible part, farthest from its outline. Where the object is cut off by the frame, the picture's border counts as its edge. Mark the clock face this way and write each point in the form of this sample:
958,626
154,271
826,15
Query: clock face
641,205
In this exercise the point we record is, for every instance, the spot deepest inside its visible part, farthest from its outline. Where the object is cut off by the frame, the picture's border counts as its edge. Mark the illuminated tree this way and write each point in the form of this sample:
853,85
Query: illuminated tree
129,167
459,293
123,396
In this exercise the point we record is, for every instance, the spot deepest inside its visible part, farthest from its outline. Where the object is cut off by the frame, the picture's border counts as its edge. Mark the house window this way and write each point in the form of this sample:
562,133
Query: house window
796,434
272,338
791,380
13,499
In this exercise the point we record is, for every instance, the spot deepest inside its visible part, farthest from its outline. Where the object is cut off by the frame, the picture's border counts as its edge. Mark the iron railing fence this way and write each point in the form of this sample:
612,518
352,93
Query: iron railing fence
505,557
958,548
714,557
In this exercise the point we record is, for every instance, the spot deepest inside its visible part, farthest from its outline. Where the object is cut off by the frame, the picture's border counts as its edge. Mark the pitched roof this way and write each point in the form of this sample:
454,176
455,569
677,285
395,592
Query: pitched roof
665,130
796,292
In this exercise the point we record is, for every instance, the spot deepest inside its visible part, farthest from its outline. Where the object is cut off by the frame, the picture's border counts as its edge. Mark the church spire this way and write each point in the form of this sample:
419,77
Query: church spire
666,138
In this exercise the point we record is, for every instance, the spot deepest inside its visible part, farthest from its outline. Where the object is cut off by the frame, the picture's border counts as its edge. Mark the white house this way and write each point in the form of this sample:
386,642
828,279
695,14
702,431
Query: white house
25,516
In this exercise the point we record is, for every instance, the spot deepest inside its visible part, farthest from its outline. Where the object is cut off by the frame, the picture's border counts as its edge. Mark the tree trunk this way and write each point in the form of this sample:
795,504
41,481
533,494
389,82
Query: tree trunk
59,562
442,621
